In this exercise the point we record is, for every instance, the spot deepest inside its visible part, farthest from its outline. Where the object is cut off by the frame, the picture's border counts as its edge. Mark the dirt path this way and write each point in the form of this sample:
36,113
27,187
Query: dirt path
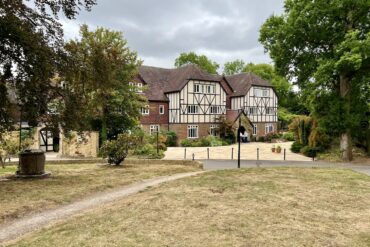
16,228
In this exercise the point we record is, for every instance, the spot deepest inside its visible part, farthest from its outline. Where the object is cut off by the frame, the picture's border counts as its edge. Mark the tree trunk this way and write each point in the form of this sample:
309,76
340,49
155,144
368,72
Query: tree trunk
345,138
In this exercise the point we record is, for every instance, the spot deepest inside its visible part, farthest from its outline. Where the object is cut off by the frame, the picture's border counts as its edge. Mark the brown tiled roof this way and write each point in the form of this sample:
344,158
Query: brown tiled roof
241,83
161,81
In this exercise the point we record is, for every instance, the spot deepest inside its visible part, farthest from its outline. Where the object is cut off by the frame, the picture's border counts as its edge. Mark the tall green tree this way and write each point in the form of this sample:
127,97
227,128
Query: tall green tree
31,40
234,67
201,60
100,67
325,46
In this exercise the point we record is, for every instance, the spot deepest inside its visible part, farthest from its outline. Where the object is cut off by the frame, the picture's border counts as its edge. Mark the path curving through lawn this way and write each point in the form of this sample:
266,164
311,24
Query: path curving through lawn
11,230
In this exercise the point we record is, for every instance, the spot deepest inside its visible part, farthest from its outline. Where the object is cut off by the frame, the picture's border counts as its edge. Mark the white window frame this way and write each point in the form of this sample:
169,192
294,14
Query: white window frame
269,128
139,87
261,92
161,109
145,110
253,110
131,86
255,129
210,89
213,128
197,88
213,108
270,111
154,128
193,131
192,109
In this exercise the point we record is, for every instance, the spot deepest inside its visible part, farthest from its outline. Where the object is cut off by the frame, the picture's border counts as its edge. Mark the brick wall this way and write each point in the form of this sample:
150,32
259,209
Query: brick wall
182,130
261,128
154,117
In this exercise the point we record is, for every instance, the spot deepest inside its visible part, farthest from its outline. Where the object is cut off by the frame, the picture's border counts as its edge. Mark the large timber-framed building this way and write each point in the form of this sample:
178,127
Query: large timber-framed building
190,101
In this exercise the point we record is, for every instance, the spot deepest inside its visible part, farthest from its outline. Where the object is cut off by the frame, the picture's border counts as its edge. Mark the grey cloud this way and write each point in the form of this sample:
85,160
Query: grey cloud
161,29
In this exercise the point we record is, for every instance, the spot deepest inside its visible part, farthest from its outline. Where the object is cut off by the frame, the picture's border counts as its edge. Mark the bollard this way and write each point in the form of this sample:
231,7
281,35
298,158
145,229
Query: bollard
258,154
207,153
232,153
185,154
284,153
193,156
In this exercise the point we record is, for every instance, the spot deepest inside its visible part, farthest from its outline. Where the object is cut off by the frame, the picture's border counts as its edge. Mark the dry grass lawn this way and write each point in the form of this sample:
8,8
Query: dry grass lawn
249,207
71,182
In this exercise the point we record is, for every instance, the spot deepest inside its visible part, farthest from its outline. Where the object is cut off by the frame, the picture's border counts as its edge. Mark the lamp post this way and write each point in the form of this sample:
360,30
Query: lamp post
239,139
157,140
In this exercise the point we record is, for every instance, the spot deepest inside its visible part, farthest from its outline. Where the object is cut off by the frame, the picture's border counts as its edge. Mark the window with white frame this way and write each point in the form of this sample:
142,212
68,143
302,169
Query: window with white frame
145,110
154,129
269,128
210,89
131,86
253,110
215,109
139,87
161,109
192,131
259,92
192,109
255,129
213,130
270,111
196,88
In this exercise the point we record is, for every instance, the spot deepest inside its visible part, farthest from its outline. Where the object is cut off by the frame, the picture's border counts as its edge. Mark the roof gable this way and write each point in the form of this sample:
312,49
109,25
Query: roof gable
241,83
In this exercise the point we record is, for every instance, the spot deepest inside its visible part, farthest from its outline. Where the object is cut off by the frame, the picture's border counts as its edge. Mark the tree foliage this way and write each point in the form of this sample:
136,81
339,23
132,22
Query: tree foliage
234,67
324,46
100,67
31,41
201,60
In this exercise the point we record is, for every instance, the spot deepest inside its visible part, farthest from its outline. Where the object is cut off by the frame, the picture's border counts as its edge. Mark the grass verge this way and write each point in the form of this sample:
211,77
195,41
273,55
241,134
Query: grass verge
248,207
71,182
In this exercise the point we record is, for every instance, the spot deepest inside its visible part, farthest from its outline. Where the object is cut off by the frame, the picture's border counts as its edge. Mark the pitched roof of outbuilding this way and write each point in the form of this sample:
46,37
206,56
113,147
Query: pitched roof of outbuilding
161,81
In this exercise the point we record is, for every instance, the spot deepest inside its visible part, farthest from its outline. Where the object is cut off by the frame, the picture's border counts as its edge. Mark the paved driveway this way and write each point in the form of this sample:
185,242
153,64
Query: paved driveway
232,164
248,152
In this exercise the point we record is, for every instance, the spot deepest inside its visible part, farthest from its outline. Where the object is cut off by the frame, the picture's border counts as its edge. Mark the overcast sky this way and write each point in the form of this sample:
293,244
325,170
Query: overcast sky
159,30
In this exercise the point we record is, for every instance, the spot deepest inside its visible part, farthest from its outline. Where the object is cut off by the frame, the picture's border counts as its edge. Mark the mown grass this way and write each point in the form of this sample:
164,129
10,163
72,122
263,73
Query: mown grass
248,207
71,182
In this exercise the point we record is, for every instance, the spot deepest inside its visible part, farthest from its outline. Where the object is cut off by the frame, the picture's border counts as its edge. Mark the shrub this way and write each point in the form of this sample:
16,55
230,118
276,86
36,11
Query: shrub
152,139
149,151
171,139
209,141
261,139
117,150
296,147
288,136
272,135
186,143
309,151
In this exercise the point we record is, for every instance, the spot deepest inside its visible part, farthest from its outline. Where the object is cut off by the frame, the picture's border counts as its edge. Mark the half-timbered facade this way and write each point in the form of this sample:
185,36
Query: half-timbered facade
190,101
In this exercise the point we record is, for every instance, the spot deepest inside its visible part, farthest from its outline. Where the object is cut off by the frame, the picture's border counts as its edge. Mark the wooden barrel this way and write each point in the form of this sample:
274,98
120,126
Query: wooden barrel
32,162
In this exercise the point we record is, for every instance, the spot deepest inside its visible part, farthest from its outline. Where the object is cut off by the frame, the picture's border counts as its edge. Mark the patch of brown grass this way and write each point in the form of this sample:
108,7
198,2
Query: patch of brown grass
72,182
248,207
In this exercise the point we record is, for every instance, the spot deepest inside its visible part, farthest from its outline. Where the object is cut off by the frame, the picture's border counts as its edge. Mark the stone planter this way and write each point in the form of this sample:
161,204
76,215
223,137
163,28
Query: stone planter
278,150
32,163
